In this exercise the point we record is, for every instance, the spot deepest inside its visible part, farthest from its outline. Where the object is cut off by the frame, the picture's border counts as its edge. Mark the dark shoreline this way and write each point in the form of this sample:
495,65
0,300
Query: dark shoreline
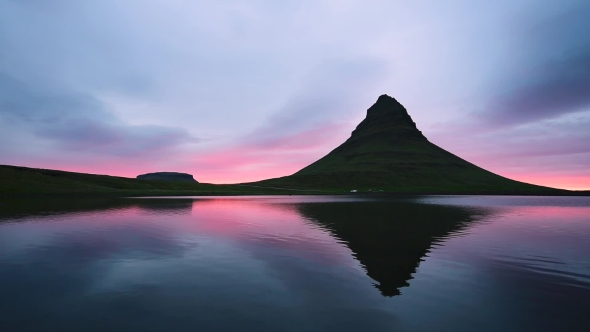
285,193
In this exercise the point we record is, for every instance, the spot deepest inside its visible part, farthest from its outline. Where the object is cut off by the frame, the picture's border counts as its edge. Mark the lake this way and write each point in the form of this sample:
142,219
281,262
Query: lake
296,263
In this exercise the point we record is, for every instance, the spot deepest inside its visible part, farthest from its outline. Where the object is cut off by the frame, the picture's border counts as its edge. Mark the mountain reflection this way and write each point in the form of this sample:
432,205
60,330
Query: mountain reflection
389,238
294,263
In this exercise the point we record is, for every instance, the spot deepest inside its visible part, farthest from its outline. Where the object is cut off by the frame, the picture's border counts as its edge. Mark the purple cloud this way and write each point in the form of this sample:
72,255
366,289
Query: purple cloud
79,123
558,88
549,74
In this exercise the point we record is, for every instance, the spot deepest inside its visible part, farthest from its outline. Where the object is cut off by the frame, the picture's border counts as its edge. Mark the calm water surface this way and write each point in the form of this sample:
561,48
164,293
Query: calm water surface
296,263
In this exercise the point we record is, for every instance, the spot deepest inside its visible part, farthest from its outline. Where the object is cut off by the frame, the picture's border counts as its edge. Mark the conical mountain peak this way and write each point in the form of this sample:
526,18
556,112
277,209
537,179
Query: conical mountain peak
387,117
386,151
385,103
385,98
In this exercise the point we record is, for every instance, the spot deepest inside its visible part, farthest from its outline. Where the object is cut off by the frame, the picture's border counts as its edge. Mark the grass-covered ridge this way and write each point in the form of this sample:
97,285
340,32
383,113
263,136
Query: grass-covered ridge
387,152
15,180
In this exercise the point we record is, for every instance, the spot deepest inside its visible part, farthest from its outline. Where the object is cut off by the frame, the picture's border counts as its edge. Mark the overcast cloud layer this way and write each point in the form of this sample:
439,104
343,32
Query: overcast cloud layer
232,91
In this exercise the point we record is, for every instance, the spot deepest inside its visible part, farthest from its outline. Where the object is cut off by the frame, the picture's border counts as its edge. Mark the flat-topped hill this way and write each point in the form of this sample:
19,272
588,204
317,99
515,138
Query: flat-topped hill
167,176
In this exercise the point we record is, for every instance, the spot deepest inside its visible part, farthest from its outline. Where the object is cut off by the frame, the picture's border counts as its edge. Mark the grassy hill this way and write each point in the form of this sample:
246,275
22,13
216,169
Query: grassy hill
15,180
387,152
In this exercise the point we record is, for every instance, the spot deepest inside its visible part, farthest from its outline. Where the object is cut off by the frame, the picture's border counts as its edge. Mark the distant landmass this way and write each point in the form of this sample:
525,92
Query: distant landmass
25,181
167,176
387,152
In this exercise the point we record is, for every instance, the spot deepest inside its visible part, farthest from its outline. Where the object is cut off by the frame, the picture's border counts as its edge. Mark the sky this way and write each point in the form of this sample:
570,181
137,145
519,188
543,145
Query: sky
234,91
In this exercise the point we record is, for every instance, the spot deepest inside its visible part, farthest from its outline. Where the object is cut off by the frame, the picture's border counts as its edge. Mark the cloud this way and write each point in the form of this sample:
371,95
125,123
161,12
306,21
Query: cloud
556,88
552,152
79,123
332,92
312,122
551,73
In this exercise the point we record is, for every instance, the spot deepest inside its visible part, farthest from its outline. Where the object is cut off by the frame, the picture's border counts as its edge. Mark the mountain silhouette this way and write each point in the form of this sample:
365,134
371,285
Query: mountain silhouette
387,151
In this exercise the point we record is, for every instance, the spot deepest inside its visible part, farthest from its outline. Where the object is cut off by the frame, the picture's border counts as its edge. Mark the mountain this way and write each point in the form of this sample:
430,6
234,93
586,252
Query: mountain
387,152
167,176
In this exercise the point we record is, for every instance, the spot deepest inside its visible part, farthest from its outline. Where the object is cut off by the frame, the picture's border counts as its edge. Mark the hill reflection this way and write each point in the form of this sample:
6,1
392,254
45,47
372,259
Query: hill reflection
389,238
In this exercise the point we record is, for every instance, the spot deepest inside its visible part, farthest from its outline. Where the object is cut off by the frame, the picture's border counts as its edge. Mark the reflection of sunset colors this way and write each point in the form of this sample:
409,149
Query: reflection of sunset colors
241,221
274,225
296,263
523,227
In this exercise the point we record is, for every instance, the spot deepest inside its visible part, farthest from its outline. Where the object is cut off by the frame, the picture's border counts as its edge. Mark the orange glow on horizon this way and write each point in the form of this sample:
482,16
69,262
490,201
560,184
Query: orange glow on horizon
568,182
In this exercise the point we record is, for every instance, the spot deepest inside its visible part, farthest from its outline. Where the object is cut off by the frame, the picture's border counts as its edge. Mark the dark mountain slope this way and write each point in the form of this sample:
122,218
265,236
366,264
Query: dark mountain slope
387,151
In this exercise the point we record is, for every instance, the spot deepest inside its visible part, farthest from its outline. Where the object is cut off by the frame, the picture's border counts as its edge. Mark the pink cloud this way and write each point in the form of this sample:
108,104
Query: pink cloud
571,182
263,159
